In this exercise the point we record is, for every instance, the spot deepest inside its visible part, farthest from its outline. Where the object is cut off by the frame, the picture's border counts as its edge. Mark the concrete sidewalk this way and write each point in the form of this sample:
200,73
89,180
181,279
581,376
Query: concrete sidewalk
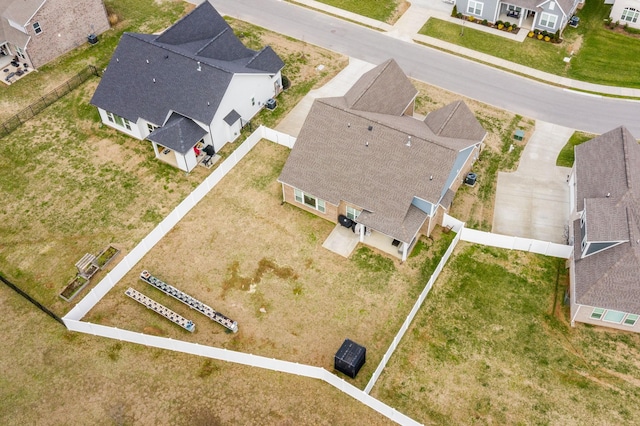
407,27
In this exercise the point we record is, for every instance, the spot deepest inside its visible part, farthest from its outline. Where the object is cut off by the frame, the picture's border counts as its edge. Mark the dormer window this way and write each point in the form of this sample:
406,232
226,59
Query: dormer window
37,28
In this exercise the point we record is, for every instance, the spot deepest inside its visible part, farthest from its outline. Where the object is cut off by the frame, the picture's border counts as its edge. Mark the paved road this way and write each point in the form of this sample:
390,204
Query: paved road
477,81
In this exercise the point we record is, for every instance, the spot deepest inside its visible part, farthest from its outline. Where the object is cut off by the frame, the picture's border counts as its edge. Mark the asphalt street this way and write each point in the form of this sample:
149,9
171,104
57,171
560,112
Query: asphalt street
477,81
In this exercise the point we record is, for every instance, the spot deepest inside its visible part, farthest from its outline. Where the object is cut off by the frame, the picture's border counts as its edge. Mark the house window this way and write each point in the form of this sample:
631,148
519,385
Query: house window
630,320
552,6
629,14
475,7
352,213
122,122
548,20
309,200
36,27
20,52
151,127
613,316
597,313
253,101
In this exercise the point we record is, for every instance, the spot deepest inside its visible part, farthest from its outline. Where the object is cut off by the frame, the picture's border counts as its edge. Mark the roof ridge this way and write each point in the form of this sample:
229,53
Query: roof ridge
177,52
383,67
353,112
450,116
625,150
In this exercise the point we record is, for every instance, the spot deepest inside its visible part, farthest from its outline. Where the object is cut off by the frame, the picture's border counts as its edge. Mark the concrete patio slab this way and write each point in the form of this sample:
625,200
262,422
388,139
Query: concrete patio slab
341,241
533,202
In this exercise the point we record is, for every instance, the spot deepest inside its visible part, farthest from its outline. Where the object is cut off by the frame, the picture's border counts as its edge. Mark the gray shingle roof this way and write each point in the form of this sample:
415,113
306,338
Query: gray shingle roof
187,69
342,154
179,133
609,164
232,117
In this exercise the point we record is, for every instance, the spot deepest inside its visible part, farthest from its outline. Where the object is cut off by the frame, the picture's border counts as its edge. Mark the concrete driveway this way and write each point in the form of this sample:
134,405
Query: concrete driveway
533,202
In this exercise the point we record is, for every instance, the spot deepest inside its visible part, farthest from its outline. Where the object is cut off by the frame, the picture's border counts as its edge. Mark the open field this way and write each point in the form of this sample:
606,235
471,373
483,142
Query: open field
54,377
492,345
587,42
76,186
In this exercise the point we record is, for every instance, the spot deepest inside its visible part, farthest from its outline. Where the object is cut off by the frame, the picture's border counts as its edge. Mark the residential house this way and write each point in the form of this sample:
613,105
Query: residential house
605,201
543,15
188,90
625,11
364,156
38,31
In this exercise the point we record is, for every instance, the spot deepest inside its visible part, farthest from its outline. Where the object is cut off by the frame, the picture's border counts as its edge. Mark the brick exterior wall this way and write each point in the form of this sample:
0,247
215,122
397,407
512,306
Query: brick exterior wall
65,25
331,213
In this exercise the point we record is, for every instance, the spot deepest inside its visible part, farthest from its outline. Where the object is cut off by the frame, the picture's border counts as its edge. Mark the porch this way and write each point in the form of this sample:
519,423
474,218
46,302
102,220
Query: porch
12,70
343,241
522,17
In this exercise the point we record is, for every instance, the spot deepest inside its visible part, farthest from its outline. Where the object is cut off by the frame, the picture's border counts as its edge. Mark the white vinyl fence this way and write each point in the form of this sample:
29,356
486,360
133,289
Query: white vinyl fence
412,314
516,243
245,359
135,255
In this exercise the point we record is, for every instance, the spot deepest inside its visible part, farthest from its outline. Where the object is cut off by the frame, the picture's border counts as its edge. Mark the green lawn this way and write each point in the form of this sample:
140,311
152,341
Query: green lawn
599,49
492,345
567,156
532,53
382,10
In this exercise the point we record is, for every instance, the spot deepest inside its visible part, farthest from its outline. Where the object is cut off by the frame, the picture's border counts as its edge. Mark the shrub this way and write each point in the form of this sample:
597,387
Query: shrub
499,23
459,15
540,36
514,26
471,19
510,28
484,22
500,26
545,33
454,11
547,38
531,34
556,35
507,24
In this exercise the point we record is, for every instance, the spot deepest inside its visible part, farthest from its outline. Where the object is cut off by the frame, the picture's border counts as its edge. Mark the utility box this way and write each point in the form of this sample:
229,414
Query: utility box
350,358
518,135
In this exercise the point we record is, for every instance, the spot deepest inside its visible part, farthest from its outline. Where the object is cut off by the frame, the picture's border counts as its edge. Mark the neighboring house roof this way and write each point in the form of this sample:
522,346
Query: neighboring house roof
20,11
378,161
187,69
565,6
179,133
455,121
607,174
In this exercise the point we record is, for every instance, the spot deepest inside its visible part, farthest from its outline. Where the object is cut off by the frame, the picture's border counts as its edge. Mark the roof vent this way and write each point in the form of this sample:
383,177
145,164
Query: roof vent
147,61
166,56
154,80
348,124
431,177
370,128
608,194
408,141
366,143
199,67
208,103
117,60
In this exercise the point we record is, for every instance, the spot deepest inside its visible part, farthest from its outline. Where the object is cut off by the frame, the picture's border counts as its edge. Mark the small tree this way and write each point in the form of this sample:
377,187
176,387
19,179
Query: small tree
454,11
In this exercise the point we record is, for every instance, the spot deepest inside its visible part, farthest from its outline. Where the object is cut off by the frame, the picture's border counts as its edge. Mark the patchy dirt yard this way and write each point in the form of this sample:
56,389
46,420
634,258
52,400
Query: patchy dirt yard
262,263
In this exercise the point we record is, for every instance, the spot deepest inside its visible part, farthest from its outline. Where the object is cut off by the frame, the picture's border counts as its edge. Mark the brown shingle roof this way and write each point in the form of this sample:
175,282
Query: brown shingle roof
609,165
384,89
455,121
365,158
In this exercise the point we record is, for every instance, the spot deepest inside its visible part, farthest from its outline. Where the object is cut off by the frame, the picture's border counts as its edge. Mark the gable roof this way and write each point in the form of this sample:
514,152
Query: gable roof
607,172
384,89
455,121
564,5
149,76
20,11
179,133
379,162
